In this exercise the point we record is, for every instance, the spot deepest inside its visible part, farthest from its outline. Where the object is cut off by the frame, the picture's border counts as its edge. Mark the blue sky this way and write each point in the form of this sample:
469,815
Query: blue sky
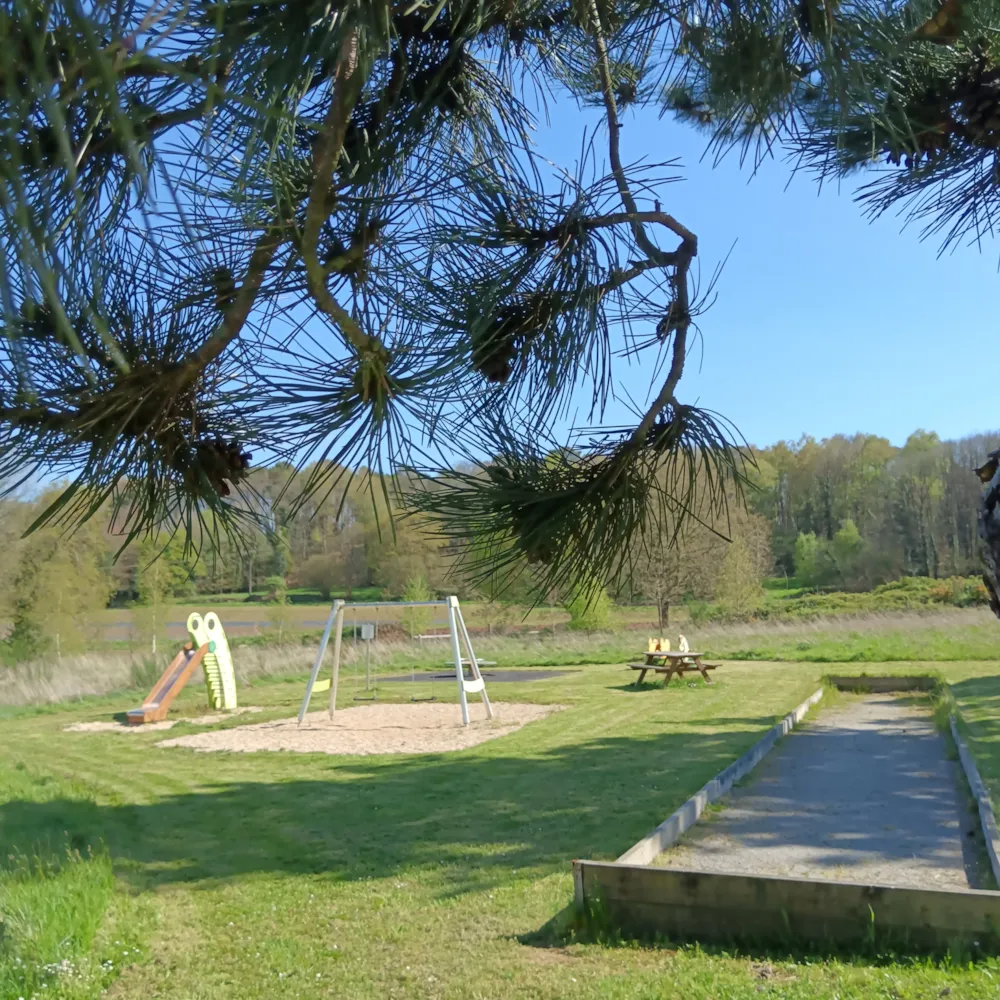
825,322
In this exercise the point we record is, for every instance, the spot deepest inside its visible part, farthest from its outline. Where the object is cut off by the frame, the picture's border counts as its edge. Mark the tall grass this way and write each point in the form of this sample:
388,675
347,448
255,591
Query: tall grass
947,635
50,681
52,909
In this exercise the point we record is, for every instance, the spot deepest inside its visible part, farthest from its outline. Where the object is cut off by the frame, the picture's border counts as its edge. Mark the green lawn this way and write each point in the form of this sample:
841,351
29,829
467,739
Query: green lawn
940,636
162,872
310,605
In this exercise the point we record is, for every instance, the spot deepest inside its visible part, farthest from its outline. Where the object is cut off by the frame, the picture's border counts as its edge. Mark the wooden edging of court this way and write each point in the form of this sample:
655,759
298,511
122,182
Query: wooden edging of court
991,835
725,907
713,906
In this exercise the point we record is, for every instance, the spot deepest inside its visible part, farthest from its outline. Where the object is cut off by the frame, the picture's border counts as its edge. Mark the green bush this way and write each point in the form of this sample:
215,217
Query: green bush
417,620
809,559
912,593
701,612
589,609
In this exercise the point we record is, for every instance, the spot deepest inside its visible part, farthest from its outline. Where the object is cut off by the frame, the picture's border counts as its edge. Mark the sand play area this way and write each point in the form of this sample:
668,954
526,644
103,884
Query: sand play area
372,729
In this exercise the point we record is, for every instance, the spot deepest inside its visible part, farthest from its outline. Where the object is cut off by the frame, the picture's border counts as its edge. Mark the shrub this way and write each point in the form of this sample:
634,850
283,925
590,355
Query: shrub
417,619
701,612
589,609
320,573
808,559
739,590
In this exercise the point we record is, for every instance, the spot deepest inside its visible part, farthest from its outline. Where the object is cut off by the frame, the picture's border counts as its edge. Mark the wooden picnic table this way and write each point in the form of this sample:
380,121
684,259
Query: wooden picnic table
671,662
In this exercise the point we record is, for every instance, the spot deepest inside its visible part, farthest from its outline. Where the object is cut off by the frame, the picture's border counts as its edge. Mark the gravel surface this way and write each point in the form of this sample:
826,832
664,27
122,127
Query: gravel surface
373,729
865,793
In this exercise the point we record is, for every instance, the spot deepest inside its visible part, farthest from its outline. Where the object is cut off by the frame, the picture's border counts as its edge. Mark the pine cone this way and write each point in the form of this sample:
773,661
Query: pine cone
978,97
220,460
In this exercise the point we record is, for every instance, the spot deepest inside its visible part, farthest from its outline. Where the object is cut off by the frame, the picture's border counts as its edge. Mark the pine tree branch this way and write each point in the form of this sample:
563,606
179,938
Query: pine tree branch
180,116
635,217
563,230
680,259
329,146
614,150
88,149
243,303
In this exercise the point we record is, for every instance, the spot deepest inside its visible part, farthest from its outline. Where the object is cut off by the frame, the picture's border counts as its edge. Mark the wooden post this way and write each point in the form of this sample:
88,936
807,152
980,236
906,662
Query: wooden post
338,634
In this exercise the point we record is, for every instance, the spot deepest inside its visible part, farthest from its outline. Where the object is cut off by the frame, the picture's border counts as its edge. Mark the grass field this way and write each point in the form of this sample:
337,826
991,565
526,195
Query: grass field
160,872
245,616
943,635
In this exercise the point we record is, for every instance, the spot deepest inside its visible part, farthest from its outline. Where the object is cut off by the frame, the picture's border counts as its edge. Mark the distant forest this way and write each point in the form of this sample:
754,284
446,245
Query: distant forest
853,512
845,513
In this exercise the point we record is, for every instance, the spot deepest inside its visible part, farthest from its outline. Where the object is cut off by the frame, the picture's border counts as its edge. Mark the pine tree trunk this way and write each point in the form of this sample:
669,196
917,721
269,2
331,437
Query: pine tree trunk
989,532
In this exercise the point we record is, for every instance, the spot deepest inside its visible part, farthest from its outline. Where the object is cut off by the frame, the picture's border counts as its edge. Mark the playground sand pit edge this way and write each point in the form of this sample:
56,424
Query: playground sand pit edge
115,726
365,730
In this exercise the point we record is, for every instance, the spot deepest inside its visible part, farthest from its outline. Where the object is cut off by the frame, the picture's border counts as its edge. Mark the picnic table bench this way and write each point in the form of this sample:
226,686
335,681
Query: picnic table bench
669,662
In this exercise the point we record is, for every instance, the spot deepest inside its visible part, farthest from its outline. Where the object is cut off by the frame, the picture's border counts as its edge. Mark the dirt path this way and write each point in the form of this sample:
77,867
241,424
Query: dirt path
865,793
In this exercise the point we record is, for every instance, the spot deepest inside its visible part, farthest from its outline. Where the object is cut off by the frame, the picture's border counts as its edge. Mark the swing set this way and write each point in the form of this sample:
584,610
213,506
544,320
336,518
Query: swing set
459,635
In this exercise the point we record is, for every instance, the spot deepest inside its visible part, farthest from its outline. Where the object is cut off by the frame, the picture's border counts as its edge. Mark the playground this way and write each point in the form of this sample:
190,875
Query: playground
352,866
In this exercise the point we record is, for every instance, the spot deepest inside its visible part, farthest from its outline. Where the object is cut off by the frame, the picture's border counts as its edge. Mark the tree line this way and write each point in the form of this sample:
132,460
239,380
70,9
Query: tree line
843,513
854,512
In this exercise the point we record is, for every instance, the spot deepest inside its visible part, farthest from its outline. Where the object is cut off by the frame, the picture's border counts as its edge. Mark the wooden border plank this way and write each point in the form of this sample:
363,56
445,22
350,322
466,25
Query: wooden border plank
716,906
883,683
982,796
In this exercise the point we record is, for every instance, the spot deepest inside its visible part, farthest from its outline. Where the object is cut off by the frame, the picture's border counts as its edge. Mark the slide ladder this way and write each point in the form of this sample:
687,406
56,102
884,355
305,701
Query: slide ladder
220,677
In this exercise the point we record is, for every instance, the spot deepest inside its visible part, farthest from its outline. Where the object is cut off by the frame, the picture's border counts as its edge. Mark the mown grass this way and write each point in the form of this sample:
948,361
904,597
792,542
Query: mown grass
439,876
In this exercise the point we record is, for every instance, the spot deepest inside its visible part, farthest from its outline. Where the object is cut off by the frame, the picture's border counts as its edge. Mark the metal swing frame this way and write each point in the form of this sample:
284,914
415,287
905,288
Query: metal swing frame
459,636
